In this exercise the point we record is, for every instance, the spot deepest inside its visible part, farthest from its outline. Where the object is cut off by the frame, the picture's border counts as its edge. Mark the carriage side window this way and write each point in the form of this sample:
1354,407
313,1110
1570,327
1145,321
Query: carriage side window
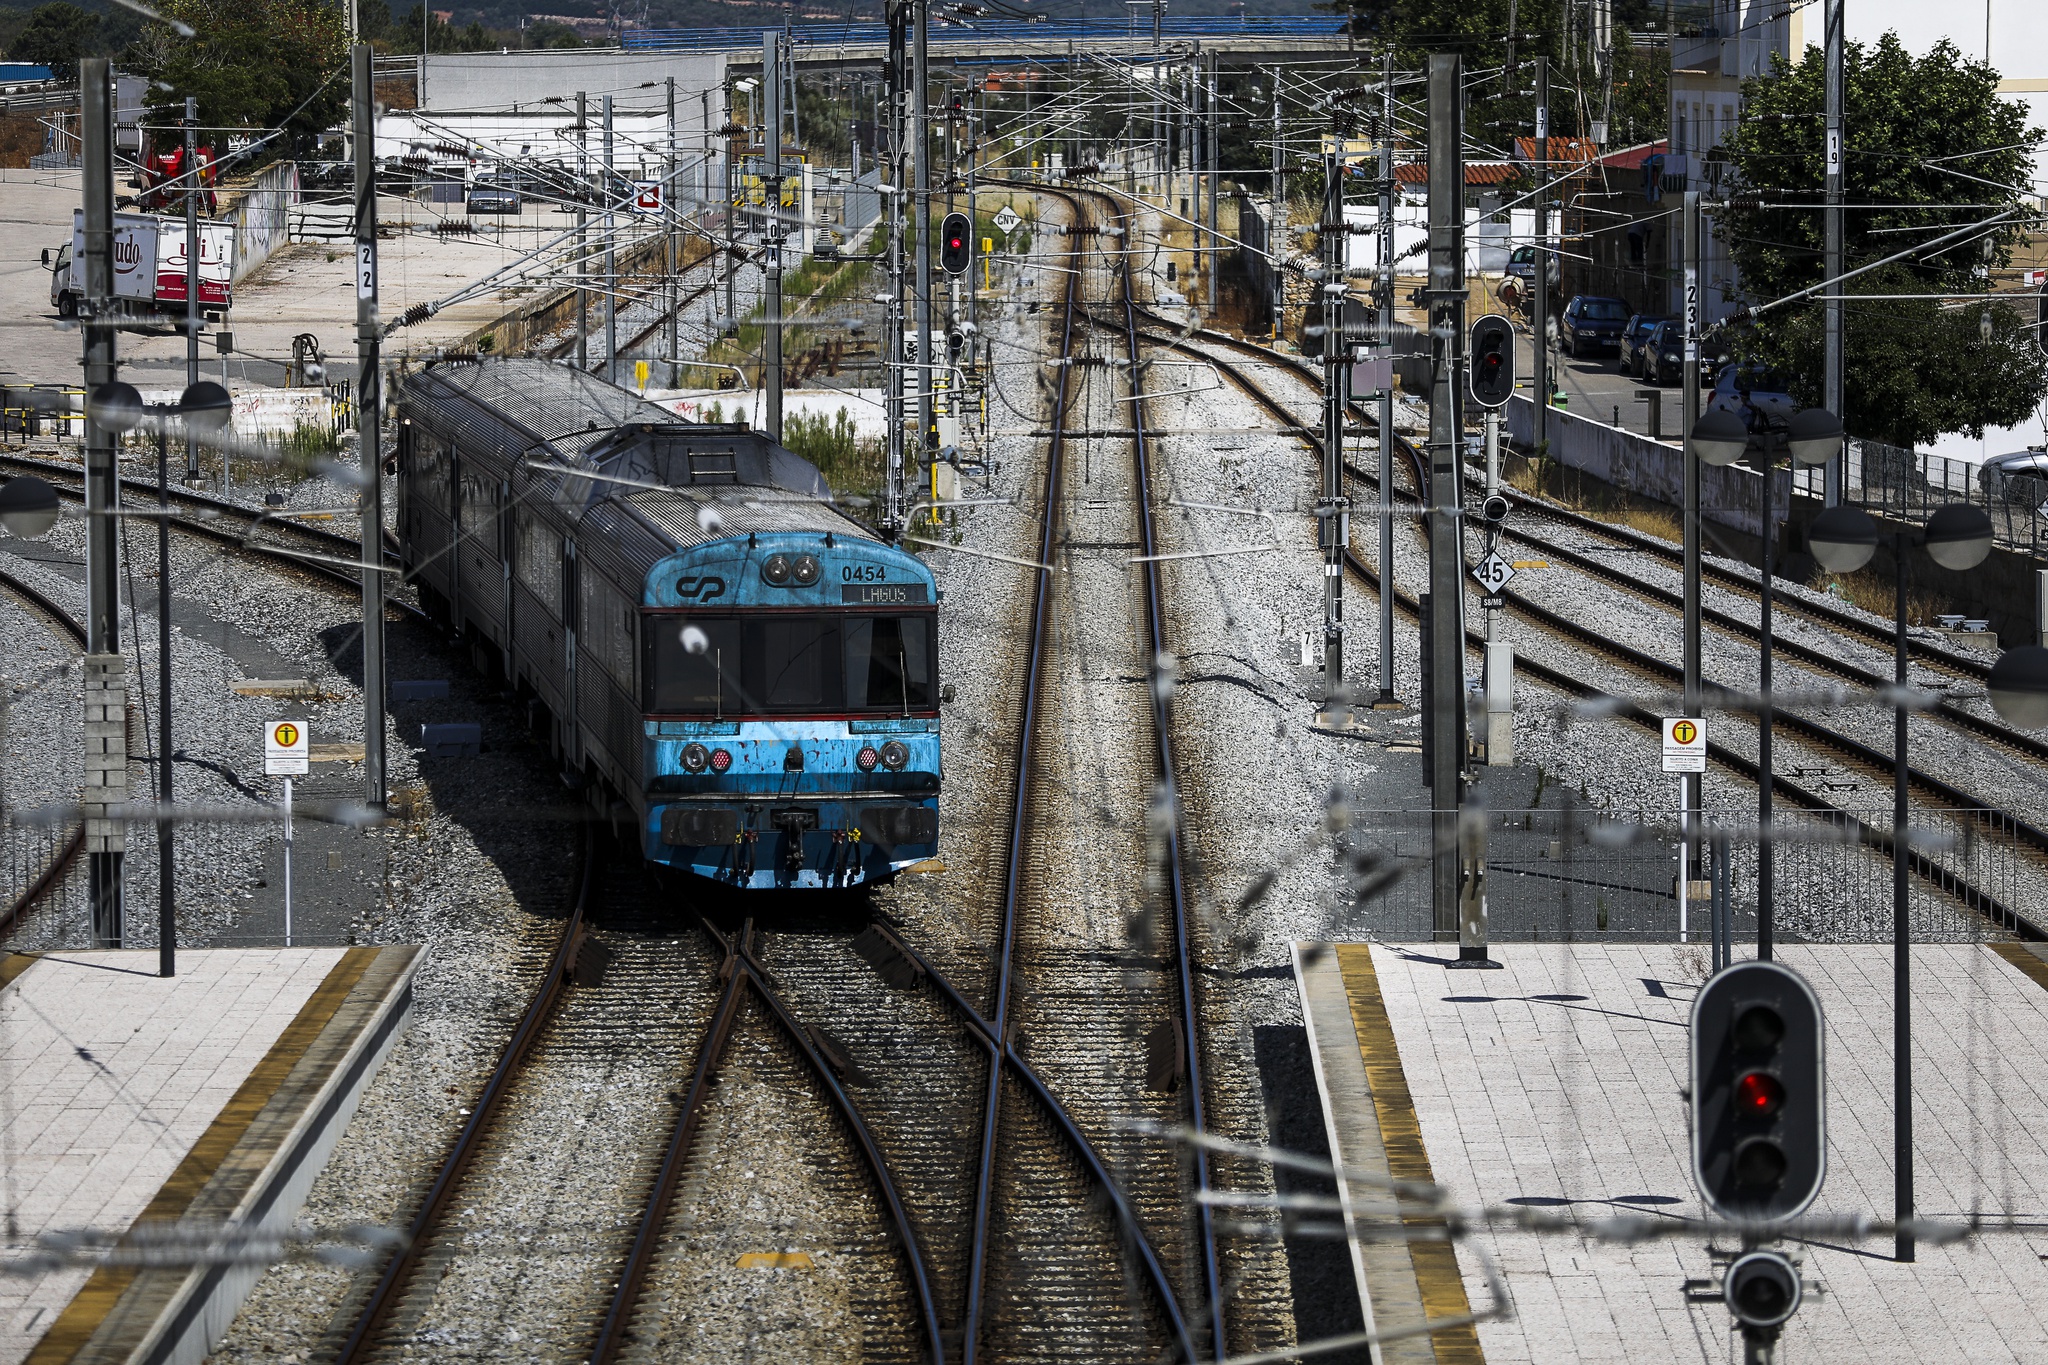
606,634
427,467
539,559
480,513
888,662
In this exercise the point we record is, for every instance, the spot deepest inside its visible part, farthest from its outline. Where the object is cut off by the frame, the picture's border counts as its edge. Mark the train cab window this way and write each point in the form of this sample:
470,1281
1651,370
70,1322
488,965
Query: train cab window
789,654
888,662
789,664
679,680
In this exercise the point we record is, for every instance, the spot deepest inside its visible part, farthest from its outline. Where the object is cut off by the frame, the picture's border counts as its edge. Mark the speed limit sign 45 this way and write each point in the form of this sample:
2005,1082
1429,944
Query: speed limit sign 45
1493,572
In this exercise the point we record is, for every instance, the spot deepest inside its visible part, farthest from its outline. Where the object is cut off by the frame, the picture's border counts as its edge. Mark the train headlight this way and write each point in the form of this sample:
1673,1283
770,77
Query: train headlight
776,570
895,754
720,760
804,570
696,758
867,758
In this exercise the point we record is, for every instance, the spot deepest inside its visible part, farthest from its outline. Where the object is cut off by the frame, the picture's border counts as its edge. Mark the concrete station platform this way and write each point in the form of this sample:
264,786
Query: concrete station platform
215,1096
1554,1084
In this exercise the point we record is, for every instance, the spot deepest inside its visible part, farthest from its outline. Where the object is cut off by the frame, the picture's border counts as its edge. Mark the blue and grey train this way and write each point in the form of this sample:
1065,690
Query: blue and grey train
709,642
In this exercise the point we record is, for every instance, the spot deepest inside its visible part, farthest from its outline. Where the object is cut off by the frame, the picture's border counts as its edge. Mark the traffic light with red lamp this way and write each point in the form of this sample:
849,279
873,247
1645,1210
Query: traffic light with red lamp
1758,1093
1493,361
956,244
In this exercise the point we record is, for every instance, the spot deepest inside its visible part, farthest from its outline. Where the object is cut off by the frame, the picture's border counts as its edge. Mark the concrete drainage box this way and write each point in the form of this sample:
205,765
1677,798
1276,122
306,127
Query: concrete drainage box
452,739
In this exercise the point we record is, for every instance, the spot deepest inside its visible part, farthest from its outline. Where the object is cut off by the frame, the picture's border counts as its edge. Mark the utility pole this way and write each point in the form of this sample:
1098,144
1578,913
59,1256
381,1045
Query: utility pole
1213,131
1386,302
1446,295
191,278
106,687
1332,510
1276,233
732,227
1831,242
582,234
611,257
1539,285
1692,238
893,373
369,440
771,123
673,248
921,148
1158,112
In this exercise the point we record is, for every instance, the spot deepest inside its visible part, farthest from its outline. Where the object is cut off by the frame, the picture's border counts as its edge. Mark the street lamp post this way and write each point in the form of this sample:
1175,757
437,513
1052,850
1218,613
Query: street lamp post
203,407
1958,537
1812,436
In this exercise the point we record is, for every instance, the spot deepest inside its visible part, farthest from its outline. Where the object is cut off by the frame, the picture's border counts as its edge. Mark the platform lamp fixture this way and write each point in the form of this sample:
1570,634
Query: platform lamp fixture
1812,436
1958,538
201,410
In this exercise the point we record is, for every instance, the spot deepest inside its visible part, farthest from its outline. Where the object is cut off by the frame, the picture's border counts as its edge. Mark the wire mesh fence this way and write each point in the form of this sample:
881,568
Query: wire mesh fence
228,888
1563,875
1908,485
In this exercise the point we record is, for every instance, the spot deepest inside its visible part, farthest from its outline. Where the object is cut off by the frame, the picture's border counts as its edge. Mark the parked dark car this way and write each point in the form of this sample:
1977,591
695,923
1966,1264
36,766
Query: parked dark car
2020,477
1662,354
1591,323
1634,338
493,193
1522,263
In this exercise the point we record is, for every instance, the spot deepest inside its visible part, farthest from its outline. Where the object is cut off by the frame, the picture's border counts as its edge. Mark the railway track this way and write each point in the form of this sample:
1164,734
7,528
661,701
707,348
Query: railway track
2024,834
279,541
620,1047
52,871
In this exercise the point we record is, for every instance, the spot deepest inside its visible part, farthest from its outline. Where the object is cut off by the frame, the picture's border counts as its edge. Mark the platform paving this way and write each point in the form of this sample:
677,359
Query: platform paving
1554,1084
209,1095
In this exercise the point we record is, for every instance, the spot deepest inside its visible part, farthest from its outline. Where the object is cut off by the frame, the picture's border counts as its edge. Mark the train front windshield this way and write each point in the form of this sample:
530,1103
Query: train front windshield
780,665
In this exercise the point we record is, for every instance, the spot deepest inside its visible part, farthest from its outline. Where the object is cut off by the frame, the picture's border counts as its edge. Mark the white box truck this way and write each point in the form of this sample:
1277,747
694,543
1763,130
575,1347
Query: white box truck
149,264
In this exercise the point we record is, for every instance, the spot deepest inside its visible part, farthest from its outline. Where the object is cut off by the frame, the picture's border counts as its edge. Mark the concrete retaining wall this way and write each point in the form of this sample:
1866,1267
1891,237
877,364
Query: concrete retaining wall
262,215
1729,496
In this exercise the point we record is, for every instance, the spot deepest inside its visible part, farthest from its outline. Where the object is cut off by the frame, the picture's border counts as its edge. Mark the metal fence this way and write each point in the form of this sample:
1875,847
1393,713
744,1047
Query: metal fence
1909,485
229,886
1579,875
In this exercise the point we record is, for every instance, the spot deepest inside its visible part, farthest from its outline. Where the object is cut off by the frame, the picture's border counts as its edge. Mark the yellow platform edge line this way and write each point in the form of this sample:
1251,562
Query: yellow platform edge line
1436,1262
75,1326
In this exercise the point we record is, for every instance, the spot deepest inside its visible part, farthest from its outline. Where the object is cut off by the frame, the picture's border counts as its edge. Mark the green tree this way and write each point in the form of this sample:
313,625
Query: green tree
56,36
1930,141
256,64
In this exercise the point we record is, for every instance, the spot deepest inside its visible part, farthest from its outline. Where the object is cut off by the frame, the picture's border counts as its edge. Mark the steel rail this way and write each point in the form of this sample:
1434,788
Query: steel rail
1162,728
54,872
1013,872
611,1333
1878,635
741,971
405,1263
1004,1052
994,1033
1999,821
1876,837
277,556
762,981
